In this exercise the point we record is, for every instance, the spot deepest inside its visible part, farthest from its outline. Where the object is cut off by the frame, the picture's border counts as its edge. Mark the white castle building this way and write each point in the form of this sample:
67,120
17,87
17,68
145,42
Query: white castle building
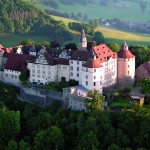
93,69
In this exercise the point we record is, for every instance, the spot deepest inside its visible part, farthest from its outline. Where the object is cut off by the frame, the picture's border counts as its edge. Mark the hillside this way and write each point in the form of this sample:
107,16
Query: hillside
23,18
127,10
114,35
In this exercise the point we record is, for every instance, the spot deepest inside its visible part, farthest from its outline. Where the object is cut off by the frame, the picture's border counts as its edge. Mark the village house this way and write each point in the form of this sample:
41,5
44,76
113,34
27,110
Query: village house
143,71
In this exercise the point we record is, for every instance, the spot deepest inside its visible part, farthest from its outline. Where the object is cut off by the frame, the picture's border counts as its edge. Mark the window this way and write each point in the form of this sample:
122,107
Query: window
49,67
86,82
71,73
128,72
43,72
77,74
38,66
86,76
12,76
94,77
77,68
71,67
86,69
49,73
94,70
100,82
15,77
38,75
128,66
43,76
33,70
33,75
77,62
43,67
38,71
94,83
6,75
71,62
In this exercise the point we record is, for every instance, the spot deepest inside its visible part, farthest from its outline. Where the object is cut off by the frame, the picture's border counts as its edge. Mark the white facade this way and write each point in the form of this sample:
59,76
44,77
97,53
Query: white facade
10,76
92,78
76,70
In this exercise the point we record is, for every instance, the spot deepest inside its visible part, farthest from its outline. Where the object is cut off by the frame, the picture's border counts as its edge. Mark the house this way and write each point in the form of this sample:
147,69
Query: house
143,71
12,65
138,99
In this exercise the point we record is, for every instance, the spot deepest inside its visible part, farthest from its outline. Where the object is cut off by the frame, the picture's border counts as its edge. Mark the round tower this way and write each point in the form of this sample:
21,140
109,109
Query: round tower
126,67
82,41
92,73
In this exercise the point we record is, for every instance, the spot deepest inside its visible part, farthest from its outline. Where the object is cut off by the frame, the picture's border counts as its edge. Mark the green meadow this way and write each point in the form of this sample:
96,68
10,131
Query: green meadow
124,10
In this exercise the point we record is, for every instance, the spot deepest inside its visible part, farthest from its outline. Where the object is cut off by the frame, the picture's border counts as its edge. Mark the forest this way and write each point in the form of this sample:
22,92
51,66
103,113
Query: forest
24,126
23,18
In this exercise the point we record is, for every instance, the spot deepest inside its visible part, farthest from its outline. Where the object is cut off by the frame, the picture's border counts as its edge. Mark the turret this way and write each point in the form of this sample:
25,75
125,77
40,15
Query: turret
82,41
126,67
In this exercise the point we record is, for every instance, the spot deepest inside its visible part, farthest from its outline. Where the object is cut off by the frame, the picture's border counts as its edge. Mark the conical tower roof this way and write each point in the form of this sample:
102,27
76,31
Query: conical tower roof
124,52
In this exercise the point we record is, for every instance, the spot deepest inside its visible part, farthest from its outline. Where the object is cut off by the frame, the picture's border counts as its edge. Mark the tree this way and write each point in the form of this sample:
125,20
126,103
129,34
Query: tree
142,5
51,138
88,141
23,77
96,102
71,46
99,37
115,47
9,125
12,145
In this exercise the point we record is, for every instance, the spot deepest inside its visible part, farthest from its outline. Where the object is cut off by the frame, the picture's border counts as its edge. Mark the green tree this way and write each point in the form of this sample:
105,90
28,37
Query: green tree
51,138
88,141
96,102
12,145
99,37
9,125
23,77
115,47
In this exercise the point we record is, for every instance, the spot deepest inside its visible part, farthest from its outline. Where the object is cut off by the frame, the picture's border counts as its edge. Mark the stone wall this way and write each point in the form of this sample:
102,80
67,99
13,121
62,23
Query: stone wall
39,96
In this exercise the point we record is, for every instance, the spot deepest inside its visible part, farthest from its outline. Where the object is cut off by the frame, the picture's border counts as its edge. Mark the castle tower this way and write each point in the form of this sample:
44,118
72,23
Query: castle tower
126,67
82,41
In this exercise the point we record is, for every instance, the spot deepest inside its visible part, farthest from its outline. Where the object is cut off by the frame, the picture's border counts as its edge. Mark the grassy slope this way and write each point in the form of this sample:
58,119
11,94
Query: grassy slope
115,35
123,10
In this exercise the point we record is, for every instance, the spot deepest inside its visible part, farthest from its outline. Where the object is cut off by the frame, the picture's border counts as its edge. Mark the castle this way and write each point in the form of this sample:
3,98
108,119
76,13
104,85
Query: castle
94,69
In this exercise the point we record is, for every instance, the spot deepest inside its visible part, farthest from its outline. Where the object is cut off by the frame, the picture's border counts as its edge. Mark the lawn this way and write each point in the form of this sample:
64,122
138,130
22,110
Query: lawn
120,102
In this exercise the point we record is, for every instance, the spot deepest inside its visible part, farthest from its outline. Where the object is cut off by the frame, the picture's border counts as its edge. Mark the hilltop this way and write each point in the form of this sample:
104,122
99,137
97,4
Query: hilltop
20,17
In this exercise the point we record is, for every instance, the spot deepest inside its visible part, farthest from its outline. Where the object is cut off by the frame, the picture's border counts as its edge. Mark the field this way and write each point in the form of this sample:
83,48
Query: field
124,10
113,35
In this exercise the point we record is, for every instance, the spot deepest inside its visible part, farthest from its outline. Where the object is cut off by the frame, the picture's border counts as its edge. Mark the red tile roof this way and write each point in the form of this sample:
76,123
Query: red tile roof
9,50
124,52
104,53
17,62
92,64
62,61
